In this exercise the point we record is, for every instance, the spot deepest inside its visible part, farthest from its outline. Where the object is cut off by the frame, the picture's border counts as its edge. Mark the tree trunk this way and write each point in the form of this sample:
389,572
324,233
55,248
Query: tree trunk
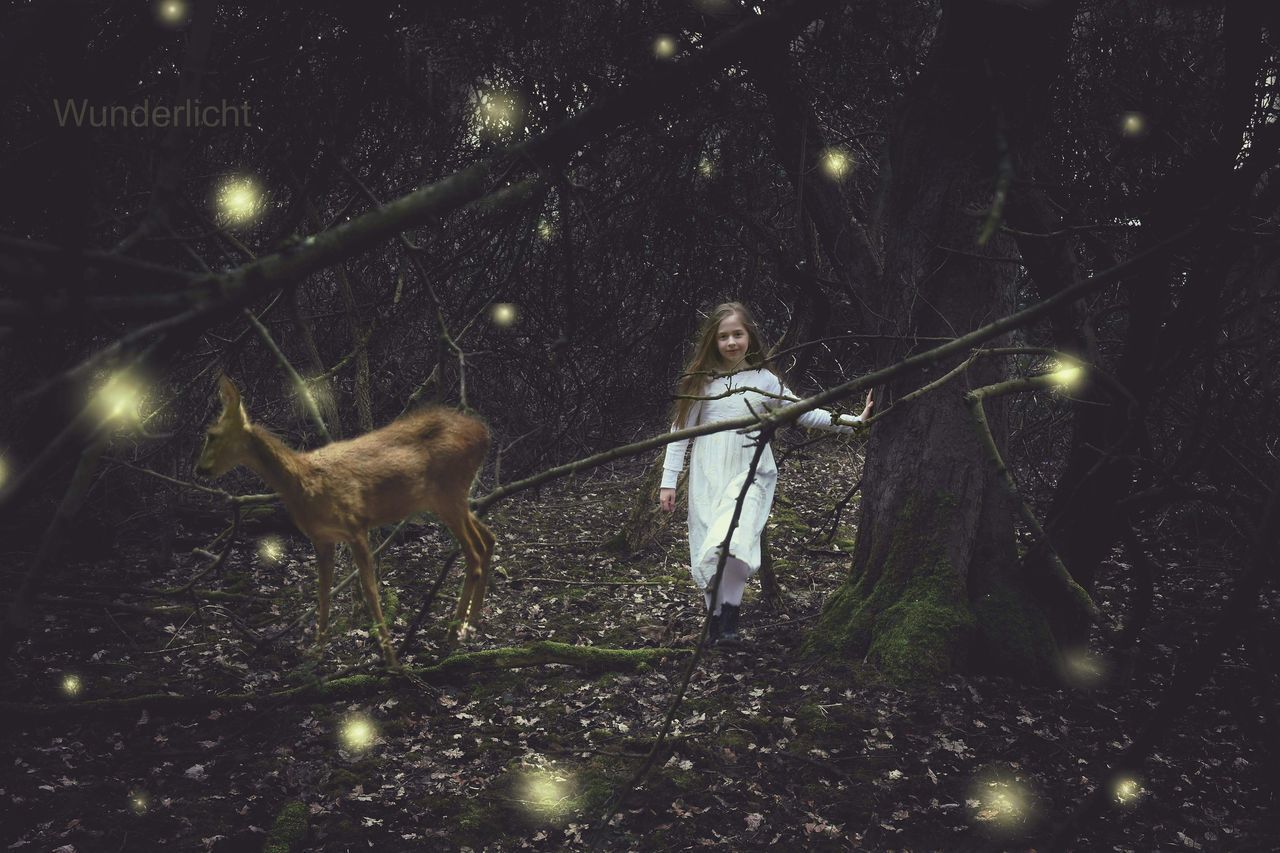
360,332
933,586
646,521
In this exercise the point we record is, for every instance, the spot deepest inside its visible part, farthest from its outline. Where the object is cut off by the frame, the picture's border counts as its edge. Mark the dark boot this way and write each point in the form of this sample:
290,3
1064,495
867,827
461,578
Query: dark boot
713,630
729,625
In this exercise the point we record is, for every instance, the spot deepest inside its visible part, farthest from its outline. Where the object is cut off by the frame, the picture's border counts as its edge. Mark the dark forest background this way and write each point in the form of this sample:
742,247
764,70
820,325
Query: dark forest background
525,209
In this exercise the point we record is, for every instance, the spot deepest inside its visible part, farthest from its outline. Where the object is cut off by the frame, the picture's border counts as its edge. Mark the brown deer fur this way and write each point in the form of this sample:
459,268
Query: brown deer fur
424,461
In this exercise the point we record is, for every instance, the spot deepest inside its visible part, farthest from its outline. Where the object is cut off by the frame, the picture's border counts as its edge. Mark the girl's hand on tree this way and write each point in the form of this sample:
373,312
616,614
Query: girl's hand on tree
867,411
667,499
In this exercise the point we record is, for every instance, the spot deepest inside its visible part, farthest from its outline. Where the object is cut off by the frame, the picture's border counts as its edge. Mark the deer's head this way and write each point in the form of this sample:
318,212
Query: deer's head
226,442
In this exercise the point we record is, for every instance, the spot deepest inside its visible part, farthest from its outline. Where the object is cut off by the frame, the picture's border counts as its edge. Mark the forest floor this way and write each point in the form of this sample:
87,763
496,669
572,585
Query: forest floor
769,748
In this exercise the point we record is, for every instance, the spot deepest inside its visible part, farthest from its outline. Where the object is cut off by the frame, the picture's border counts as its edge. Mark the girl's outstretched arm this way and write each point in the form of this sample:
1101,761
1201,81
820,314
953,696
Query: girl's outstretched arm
821,418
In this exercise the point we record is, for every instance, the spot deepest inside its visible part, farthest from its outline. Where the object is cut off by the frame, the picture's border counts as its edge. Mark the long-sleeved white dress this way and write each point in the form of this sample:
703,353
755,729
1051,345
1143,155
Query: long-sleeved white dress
719,468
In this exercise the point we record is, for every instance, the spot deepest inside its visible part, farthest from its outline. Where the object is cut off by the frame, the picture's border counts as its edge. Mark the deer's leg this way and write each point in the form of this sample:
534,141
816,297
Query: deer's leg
485,540
324,567
369,583
458,522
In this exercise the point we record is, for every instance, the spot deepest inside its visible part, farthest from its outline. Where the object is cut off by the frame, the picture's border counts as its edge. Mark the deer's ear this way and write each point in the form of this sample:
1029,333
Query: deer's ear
244,416
227,390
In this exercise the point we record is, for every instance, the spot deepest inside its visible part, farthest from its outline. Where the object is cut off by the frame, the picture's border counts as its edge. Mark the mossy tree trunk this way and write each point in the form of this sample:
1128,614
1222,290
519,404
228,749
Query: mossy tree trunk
934,585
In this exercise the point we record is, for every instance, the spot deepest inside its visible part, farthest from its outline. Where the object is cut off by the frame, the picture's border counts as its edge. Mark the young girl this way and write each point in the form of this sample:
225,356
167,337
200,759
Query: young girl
730,369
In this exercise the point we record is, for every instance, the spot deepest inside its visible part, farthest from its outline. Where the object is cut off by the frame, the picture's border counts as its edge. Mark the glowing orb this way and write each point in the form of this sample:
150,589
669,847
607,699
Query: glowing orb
545,229
139,802
71,684
999,803
498,111
836,164
1067,375
1133,124
504,314
546,792
240,200
706,167
270,550
358,733
119,398
664,47
1126,790
172,12
1083,669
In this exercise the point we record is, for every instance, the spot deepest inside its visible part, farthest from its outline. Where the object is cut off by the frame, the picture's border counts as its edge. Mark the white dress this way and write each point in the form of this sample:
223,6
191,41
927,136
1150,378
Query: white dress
719,468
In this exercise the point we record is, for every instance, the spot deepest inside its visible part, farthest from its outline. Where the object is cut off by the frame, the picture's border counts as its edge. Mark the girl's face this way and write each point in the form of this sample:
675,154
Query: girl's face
733,341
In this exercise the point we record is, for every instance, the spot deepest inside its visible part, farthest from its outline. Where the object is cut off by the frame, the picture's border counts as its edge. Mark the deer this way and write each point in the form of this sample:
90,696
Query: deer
423,461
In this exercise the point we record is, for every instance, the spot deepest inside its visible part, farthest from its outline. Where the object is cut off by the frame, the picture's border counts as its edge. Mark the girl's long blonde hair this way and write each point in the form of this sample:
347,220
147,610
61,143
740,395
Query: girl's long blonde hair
705,363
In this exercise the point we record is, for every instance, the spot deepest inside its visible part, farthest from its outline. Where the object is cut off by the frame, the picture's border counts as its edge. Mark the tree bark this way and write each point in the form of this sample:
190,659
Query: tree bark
934,585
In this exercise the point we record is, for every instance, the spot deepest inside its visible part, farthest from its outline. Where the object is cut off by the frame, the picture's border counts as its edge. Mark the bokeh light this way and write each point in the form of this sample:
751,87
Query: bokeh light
1066,375
139,802
836,164
119,399
71,684
173,13
664,47
498,112
546,793
240,200
1126,791
504,314
1133,124
270,550
358,733
1083,669
999,802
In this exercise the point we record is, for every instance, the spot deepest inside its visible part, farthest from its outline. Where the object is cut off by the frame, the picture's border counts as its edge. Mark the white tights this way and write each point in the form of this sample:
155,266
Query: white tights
732,584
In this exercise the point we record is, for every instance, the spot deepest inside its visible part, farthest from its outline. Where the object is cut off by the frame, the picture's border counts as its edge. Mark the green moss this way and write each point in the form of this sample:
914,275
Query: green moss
479,822
495,684
595,789
909,615
289,831
785,519
810,718
342,780
919,639
844,540
390,604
